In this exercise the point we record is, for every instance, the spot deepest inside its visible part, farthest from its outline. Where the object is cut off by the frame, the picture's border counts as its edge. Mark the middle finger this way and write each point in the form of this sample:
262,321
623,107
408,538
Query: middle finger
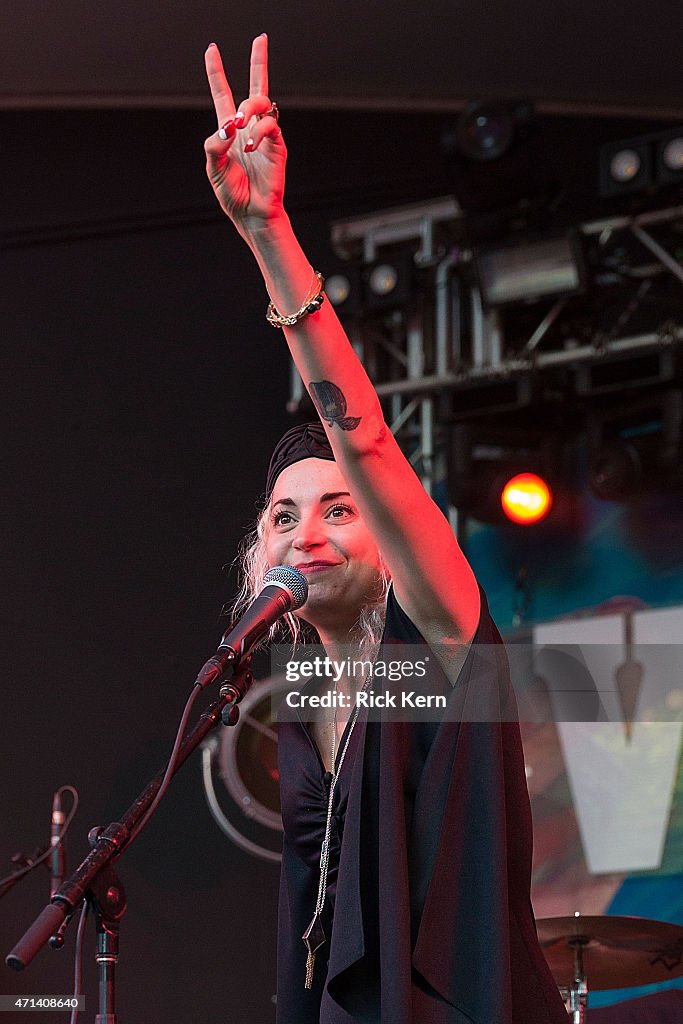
250,108
258,67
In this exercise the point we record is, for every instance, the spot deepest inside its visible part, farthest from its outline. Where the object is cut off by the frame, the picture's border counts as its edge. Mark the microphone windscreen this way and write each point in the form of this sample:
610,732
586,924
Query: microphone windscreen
292,580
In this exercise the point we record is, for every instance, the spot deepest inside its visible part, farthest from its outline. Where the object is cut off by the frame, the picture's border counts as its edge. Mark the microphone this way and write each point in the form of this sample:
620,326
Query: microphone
284,591
57,858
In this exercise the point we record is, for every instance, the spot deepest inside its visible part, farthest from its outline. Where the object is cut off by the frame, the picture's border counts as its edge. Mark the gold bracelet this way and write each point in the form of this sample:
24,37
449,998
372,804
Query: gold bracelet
311,304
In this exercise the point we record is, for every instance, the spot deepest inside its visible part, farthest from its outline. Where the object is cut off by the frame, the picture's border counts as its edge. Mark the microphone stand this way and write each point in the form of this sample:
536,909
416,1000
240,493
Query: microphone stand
96,880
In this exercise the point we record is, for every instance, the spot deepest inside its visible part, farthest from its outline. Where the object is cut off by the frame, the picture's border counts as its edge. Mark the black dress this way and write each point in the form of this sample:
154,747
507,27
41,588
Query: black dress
430,866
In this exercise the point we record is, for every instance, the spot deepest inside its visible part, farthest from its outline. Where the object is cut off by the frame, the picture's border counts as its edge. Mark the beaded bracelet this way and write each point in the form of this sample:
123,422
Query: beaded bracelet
311,304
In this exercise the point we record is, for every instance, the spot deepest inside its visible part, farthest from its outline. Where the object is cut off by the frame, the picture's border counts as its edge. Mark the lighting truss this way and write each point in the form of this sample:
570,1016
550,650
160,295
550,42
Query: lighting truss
448,356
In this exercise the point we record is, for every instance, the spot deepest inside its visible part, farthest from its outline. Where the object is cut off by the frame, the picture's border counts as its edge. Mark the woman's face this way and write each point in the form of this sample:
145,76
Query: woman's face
314,526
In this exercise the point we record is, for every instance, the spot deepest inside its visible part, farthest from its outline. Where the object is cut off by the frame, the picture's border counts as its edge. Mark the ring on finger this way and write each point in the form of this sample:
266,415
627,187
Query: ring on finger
272,111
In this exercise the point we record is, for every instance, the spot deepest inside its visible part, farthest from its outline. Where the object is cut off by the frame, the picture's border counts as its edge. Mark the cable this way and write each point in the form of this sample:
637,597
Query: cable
11,879
170,768
78,958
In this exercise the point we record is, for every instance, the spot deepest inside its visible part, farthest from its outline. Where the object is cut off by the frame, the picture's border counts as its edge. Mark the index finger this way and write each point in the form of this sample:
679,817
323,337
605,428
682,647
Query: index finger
258,67
218,84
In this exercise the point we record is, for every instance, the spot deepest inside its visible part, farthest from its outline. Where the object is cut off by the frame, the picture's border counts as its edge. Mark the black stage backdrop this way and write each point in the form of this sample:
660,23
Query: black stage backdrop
142,391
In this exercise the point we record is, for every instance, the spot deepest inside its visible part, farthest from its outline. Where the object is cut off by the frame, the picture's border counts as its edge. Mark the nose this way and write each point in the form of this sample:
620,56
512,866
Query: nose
309,534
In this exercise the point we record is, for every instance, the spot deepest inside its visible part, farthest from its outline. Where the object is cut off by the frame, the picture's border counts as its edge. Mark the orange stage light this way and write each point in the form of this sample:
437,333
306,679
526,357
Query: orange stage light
526,499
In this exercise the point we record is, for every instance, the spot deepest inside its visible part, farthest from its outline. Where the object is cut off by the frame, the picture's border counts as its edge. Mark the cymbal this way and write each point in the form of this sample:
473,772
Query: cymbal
618,952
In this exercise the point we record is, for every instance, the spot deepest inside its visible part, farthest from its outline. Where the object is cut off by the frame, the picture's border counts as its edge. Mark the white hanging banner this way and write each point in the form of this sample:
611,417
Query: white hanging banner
621,768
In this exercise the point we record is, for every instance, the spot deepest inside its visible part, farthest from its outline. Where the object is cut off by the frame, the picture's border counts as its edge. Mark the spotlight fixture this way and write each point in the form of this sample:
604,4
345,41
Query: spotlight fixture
382,279
486,129
525,273
343,288
647,161
672,155
526,499
501,476
635,449
625,166
615,471
337,289
388,281
669,157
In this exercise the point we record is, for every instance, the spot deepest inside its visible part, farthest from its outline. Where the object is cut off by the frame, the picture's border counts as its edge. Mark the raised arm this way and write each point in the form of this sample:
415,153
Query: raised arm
246,160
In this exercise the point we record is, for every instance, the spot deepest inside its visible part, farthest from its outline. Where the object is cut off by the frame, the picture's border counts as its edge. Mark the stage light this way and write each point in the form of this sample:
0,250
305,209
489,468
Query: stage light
615,472
526,499
485,130
636,448
503,476
523,273
672,155
669,157
389,282
338,289
624,165
647,161
344,288
382,279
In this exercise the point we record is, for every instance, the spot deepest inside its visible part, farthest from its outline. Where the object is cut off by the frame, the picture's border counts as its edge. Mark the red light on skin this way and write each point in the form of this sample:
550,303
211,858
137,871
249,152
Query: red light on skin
526,499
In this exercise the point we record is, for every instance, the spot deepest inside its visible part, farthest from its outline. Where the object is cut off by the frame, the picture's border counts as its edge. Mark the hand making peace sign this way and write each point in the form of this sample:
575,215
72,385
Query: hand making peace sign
245,158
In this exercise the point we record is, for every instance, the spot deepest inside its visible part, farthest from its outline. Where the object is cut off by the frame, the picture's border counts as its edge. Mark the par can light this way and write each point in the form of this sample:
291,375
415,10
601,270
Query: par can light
382,279
526,499
625,165
337,289
672,154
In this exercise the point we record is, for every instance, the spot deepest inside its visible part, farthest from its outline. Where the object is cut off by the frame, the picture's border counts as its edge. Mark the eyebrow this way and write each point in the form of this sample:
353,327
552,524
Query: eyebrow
330,496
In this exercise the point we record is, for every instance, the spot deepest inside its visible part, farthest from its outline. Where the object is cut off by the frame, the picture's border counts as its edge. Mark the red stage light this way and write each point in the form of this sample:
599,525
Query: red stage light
526,499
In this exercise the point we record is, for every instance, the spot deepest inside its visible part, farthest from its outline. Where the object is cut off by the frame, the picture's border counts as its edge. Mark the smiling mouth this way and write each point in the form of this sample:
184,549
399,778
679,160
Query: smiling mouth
308,567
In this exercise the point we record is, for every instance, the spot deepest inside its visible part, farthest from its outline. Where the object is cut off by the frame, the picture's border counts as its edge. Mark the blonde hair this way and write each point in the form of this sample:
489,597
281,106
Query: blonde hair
253,565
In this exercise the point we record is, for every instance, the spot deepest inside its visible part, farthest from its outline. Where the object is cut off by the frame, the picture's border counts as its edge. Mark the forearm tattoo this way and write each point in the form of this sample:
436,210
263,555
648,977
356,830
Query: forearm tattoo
330,403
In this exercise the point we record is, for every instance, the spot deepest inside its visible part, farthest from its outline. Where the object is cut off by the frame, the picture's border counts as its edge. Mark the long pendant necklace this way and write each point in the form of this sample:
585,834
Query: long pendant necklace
314,936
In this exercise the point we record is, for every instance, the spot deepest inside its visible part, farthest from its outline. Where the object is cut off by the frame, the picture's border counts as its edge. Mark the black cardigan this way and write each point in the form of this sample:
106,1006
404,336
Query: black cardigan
430,865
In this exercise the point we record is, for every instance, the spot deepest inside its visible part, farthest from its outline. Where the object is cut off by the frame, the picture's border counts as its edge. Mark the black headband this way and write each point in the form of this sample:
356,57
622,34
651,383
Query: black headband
305,441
